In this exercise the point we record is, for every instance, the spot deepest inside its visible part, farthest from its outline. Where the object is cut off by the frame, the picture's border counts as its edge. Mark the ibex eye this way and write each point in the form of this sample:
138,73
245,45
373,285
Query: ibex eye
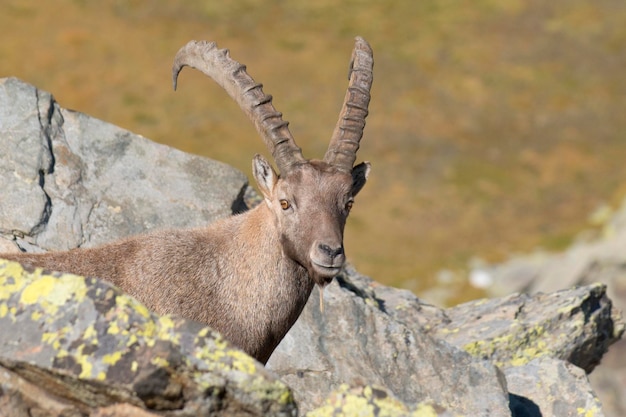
284,204
349,205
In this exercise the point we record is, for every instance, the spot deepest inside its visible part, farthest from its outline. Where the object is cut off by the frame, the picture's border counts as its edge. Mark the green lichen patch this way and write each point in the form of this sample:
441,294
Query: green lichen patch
521,345
571,325
368,401
90,331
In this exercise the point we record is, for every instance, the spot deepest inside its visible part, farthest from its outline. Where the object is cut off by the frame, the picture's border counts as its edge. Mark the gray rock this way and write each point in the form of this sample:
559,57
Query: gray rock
378,335
69,180
602,259
355,341
548,387
85,345
375,402
567,385
577,325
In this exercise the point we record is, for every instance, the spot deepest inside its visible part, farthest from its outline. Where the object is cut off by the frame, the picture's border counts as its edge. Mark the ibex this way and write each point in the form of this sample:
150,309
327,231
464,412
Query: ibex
247,276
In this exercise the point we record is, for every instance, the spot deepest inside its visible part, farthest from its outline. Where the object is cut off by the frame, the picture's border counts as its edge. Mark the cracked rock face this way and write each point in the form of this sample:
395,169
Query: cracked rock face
69,180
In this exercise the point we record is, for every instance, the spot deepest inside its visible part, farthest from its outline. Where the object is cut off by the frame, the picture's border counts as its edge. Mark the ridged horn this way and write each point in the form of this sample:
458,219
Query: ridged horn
232,77
348,132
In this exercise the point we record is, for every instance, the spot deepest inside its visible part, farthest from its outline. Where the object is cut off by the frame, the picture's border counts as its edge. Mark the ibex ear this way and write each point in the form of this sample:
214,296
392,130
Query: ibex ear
264,175
359,176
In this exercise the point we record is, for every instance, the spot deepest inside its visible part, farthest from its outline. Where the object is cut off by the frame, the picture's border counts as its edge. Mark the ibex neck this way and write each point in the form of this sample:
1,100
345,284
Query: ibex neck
275,288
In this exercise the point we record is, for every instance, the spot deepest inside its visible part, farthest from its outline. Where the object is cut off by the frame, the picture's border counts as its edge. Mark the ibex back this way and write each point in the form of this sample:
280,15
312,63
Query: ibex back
250,275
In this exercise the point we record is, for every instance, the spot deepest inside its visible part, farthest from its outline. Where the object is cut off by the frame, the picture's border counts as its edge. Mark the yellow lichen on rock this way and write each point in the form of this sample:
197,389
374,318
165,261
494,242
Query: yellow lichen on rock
589,412
85,363
221,354
56,290
368,401
112,358
165,330
522,346
34,286
38,288
89,330
425,410
10,282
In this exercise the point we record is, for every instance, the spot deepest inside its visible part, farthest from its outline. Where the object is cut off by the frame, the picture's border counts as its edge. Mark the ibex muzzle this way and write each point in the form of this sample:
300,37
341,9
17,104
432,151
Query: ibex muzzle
250,275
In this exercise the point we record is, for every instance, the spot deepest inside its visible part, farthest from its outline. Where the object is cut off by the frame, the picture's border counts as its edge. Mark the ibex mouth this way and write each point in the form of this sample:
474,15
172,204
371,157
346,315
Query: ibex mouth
326,262
325,273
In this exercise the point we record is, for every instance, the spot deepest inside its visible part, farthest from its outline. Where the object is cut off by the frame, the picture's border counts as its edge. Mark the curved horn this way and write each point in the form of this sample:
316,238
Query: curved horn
232,77
344,143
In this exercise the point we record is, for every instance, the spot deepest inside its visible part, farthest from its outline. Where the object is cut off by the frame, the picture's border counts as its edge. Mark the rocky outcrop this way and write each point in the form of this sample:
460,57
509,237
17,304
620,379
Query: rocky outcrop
70,180
356,341
550,387
465,359
76,346
600,259
577,325
85,345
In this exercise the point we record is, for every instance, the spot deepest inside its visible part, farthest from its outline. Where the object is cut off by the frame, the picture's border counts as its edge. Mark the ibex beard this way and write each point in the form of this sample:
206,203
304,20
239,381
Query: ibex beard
250,275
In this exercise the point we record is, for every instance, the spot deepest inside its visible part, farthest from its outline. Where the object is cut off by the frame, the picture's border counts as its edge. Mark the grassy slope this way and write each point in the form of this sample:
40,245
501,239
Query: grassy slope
495,127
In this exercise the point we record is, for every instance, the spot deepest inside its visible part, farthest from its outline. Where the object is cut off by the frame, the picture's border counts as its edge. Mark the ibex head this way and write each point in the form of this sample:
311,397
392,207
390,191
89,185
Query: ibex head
311,199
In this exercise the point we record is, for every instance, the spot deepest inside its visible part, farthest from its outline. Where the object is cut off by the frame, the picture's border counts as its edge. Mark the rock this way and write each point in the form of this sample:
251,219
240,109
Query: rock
85,345
20,398
372,401
377,335
73,345
577,325
70,180
355,341
121,410
551,387
603,260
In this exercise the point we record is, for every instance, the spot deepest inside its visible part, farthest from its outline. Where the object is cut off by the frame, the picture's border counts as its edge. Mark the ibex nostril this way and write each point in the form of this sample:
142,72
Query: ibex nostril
327,250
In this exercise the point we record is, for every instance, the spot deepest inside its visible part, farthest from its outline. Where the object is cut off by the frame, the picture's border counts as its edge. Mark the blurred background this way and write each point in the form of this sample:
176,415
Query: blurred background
495,127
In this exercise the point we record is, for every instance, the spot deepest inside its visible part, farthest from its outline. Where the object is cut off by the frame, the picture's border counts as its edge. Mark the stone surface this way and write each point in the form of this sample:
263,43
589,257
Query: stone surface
601,258
70,180
373,402
85,345
577,325
72,345
373,334
548,387
355,341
